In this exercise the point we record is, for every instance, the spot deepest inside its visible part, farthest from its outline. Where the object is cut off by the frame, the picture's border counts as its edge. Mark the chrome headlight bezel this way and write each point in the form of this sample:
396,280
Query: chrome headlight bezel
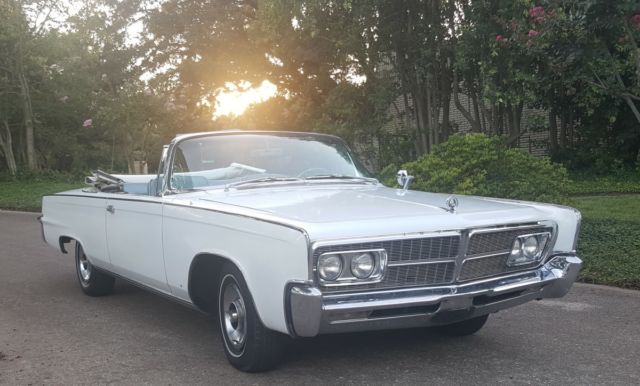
519,255
347,277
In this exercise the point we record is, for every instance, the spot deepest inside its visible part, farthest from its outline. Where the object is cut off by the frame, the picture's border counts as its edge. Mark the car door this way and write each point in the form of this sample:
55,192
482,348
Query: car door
134,240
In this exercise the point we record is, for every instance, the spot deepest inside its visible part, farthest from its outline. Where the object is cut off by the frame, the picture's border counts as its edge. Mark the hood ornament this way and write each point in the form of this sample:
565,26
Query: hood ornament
404,180
452,203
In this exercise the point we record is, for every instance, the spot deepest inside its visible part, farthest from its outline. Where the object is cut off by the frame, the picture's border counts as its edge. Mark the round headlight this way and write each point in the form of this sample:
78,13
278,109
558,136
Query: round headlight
362,265
330,267
515,251
530,247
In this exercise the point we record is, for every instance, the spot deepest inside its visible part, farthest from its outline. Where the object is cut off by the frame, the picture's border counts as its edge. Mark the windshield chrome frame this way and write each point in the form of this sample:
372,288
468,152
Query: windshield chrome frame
168,167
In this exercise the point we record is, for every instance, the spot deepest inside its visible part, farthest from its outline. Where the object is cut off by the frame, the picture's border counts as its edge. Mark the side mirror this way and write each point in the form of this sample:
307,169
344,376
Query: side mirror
404,179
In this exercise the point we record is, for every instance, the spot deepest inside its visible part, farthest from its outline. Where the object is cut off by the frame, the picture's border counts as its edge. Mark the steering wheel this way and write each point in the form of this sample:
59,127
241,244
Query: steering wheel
306,172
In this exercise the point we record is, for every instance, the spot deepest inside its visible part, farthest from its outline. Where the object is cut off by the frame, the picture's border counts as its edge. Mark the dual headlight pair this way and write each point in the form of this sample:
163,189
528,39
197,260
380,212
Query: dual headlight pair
352,266
528,249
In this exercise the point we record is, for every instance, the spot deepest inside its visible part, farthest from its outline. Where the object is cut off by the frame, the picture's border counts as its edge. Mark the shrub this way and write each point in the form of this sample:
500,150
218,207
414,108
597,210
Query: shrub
479,165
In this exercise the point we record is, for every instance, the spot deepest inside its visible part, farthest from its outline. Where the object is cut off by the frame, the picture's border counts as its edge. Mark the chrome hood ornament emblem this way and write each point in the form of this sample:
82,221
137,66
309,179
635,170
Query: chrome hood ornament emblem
451,203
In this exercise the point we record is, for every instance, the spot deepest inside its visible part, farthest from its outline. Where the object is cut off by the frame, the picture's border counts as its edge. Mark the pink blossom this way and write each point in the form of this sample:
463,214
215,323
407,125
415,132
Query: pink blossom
533,33
636,19
536,11
500,38
87,123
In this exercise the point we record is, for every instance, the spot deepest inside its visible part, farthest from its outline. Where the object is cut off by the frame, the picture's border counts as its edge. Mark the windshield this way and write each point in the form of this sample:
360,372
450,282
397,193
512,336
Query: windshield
220,160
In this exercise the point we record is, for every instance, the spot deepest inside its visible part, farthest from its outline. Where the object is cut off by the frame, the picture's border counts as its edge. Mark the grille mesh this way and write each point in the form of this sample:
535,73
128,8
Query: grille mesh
493,242
406,250
408,276
488,266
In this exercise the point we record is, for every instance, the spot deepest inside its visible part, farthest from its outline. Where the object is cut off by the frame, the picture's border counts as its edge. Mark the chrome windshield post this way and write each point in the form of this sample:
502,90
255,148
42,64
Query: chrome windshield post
162,172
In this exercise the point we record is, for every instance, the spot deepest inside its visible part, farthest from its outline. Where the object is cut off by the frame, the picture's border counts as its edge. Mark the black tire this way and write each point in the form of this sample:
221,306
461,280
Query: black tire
248,344
464,328
92,281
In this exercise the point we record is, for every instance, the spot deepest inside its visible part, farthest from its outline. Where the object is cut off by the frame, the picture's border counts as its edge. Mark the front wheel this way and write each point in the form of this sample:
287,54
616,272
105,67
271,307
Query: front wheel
464,328
92,282
248,344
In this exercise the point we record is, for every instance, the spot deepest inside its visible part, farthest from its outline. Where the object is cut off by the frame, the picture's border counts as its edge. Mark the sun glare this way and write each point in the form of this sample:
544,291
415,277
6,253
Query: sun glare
236,98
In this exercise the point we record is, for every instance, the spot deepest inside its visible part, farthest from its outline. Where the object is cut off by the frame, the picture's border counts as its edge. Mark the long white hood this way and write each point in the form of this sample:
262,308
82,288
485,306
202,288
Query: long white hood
337,211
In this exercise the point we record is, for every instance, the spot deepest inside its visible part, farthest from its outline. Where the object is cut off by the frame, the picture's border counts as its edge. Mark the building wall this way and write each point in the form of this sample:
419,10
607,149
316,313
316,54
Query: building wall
535,142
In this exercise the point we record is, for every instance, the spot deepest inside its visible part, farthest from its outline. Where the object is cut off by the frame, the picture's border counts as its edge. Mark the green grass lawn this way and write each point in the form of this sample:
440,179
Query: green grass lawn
27,195
610,239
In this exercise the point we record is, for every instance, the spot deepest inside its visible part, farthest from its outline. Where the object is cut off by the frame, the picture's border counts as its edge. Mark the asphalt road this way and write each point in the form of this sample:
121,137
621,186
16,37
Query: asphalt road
50,333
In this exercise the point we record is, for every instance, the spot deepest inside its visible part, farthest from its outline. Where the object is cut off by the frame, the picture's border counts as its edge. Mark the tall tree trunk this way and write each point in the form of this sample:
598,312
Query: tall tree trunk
446,126
27,110
553,131
515,115
563,131
430,108
422,113
407,118
6,144
475,125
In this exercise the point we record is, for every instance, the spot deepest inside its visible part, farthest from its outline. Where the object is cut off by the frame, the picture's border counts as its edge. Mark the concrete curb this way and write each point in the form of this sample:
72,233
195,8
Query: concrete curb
2,211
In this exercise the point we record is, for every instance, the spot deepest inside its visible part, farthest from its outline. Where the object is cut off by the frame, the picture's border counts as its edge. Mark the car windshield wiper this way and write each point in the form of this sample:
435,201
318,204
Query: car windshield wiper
341,177
260,181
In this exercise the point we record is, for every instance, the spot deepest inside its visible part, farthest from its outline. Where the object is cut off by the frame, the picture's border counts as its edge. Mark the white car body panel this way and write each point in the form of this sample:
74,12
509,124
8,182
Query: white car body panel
134,241
268,255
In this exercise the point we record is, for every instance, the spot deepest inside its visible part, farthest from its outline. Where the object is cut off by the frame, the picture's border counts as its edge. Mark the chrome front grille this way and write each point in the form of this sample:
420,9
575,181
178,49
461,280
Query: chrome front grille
440,260
410,262
489,250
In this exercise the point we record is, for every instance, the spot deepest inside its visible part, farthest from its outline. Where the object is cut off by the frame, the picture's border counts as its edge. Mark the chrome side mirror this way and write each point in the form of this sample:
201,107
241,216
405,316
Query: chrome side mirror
404,179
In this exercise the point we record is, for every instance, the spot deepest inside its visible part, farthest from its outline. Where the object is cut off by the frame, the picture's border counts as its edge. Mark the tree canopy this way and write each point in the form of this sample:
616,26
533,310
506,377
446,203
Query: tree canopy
103,83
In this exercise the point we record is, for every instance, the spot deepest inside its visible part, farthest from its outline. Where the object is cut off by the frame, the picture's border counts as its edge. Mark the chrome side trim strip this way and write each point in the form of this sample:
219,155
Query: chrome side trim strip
419,262
485,255
401,236
150,289
504,228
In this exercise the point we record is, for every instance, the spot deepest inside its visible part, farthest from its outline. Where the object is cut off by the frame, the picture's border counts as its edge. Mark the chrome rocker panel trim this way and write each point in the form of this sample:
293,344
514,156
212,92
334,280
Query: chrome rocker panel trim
312,313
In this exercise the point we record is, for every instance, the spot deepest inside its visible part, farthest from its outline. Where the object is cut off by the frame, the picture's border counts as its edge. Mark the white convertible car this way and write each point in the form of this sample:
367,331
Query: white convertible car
284,234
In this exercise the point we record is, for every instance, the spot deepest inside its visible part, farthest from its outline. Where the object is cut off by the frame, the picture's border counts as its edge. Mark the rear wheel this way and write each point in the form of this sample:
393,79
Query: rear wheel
464,328
92,282
248,344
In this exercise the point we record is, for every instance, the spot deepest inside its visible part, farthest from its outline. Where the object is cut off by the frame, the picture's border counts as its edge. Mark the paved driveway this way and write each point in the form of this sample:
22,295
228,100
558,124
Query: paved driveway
50,333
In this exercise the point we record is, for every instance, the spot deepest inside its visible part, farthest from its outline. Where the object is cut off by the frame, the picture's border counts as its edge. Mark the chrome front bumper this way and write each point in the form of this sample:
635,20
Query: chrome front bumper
311,313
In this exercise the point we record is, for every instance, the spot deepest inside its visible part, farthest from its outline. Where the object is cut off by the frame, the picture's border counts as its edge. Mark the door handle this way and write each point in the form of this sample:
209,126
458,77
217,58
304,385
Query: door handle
111,209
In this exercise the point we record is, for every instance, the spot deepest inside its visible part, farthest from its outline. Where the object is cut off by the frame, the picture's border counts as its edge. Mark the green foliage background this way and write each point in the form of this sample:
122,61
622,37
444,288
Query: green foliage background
475,164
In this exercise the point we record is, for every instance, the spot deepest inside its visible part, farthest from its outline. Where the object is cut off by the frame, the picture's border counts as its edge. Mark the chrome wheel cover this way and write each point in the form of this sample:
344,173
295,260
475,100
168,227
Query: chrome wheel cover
234,318
84,268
